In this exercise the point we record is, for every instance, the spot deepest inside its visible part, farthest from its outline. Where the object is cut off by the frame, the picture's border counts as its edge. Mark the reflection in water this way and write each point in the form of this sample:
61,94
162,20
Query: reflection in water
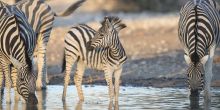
112,106
41,95
207,105
31,107
131,98
1,97
20,105
194,103
79,106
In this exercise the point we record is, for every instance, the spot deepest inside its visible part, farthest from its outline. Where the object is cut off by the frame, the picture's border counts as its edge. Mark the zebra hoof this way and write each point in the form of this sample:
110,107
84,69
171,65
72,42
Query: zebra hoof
43,87
81,100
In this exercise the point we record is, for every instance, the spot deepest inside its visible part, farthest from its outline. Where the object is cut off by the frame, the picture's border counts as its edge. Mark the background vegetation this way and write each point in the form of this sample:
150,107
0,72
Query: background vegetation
144,5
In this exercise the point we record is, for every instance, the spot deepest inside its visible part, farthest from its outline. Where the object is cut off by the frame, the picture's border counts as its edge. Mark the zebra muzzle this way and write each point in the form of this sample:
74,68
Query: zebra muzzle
88,46
32,99
194,93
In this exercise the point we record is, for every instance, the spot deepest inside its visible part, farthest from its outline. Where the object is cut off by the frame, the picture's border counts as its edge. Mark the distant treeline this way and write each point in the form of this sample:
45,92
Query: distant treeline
158,5
142,5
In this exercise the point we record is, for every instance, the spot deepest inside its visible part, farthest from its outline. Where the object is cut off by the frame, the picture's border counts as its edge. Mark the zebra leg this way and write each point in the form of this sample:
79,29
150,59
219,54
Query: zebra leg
7,73
108,78
14,82
208,75
69,64
1,84
78,79
117,75
208,79
41,60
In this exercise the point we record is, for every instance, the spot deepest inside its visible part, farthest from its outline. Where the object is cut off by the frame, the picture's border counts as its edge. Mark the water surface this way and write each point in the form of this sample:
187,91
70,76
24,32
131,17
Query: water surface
131,98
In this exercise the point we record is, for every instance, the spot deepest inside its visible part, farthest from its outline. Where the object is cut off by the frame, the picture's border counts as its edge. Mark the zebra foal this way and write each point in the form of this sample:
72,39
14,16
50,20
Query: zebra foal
100,50
199,36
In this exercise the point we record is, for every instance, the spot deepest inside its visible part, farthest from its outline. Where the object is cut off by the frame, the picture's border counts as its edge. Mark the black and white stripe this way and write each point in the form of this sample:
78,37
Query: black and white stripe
41,17
100,50
17,40
199,36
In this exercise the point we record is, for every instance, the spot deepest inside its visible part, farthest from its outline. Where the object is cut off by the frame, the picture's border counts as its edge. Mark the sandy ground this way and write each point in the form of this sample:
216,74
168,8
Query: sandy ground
155,57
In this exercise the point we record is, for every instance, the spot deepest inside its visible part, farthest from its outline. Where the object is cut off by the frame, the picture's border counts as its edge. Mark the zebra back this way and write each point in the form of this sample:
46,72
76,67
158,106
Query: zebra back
26,31
39,14
198,28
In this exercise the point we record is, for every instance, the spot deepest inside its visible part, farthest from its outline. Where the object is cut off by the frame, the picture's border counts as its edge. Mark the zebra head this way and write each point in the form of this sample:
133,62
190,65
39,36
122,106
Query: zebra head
26,81
107,35
196,74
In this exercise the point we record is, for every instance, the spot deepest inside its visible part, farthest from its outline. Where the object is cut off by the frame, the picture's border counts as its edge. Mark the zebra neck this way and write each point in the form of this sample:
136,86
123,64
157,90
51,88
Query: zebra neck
116,52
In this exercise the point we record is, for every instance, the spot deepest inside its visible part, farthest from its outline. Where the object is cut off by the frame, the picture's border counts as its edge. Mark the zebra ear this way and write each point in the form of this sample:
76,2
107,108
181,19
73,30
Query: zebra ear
15,62
187,59
108,24
120,27
204,59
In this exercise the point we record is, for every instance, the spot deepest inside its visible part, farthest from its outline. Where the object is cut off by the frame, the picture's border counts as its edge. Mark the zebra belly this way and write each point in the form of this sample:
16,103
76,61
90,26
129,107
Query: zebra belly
94,65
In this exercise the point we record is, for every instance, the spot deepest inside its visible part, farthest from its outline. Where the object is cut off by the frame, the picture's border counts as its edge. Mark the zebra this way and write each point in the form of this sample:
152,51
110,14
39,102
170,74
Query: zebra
16,36
41,18
30,39
101,50
199,35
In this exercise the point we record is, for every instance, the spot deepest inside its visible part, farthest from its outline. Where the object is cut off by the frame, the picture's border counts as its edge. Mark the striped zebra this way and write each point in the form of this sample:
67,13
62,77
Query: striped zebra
17,40
101,50
199,36
41,18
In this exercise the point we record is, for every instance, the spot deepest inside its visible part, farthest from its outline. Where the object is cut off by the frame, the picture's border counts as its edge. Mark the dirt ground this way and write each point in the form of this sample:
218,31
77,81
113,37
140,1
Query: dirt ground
155,57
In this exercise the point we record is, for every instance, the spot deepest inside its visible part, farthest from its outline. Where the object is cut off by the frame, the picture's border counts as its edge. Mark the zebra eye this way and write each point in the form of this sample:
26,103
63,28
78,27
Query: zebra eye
101,34
22,79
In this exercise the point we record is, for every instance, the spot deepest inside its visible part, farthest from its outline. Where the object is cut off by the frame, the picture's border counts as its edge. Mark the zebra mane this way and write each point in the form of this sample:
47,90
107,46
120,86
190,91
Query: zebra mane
115,22
27,58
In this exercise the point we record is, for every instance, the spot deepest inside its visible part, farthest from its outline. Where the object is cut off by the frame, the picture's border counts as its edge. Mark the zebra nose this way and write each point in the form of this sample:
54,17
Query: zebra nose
194,93
88,46
32,99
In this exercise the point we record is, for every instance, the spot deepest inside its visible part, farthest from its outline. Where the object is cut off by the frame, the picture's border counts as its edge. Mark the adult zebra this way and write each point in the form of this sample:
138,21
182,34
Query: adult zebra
199,36
17,44
41,18
100,50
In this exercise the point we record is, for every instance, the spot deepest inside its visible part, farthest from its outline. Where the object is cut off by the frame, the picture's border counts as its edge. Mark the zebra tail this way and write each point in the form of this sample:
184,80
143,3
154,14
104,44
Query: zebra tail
71,9
64,63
